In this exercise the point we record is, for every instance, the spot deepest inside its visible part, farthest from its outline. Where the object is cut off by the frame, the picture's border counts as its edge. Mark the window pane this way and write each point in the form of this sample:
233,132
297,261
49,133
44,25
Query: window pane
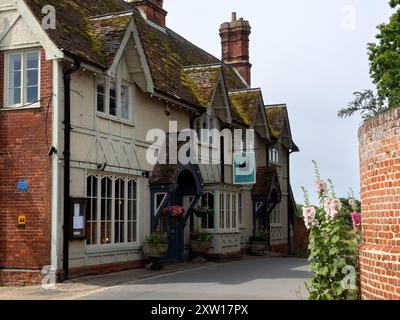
15,79
32,60
32,94
125,102
240,209
228,211
113,99
222,211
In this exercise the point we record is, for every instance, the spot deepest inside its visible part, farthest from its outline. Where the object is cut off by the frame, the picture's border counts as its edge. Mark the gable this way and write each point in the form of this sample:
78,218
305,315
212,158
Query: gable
14,30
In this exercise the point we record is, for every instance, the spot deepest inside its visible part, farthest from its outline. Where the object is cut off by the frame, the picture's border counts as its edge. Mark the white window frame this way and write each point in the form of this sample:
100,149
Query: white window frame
121,245
24,104
228,212
199,224
273,155
118,88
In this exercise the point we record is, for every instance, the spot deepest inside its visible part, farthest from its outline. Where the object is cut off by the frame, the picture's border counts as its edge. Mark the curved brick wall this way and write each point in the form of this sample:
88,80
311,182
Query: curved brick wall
379,140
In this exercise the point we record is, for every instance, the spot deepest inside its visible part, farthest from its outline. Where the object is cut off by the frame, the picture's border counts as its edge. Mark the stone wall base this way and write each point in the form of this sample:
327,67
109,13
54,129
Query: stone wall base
17,277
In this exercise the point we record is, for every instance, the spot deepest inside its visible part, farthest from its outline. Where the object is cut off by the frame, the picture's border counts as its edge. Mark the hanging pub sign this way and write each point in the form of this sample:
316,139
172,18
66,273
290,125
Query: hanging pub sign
244,168
78,216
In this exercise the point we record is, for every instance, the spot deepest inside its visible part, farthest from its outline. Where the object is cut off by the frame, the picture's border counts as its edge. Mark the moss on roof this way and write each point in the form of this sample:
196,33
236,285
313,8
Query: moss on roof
96,41
276,116
203,81
245,104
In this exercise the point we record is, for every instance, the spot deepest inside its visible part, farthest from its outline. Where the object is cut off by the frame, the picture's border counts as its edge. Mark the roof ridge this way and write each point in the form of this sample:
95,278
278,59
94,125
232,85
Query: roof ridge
111,15
244,90
276,105
199,66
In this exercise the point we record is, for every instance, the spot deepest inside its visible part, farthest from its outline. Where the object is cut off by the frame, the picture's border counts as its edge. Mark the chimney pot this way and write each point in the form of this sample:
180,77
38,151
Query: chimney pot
233,16
235,46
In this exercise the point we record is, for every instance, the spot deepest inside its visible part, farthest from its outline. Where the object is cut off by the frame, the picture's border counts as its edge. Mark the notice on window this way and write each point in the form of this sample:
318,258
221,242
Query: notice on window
78,219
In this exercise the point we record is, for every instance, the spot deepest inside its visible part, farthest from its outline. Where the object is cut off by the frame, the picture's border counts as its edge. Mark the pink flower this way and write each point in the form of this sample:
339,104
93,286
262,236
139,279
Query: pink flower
332,208
309,217
356,218
321,187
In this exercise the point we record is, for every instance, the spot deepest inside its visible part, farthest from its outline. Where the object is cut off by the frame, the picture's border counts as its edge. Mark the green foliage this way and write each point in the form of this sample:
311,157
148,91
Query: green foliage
260,235
156,238
333,247
201,236
384,58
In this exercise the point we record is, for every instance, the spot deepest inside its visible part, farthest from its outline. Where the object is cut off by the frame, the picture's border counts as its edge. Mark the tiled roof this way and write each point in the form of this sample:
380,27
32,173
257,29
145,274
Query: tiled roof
205,80
74,32
279,124
245,104
93,29
265,180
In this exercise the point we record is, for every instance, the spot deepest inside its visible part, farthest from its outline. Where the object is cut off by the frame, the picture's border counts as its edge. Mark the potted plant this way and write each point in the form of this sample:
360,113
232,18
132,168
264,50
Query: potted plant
200,244
202,212
155,246
259,241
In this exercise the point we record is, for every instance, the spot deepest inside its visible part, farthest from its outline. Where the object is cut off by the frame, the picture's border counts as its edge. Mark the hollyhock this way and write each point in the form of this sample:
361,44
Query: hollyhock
352,203
321,187
309,217
356,218
332,208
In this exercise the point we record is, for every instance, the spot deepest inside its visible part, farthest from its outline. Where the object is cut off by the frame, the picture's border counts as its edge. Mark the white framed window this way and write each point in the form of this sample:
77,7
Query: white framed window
125,102
222,210
22,79
228,211
273,155
203,126
113,98
240,209
208,201
111,217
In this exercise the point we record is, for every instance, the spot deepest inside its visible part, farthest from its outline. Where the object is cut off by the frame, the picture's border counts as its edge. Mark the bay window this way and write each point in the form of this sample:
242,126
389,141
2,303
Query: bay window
22,78
112,214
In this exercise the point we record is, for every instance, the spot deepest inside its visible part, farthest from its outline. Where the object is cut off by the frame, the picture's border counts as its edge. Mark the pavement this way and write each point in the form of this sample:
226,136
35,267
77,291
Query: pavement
252,278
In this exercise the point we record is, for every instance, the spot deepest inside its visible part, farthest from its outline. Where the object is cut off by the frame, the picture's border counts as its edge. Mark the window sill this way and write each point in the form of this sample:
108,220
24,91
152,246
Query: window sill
114,119
111,248
16,108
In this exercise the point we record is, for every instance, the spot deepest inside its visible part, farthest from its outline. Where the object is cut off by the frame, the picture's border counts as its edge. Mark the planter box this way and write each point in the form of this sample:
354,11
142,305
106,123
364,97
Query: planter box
155,250
257,248
200,246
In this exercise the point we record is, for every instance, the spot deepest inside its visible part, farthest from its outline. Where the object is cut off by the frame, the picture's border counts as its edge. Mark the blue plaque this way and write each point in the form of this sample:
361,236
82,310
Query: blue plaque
22,185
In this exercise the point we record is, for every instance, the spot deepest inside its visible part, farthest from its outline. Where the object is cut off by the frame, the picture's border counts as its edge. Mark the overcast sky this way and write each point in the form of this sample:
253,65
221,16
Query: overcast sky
310,54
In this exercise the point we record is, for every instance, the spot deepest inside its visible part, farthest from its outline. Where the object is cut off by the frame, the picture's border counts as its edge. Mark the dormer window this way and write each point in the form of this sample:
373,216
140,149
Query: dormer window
113,98
273,155
203,127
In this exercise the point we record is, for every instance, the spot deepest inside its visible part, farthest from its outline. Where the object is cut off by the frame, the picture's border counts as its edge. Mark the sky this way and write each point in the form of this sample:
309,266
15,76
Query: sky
309,54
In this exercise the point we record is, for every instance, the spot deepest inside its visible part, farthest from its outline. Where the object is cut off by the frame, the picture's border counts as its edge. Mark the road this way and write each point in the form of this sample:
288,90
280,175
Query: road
253,279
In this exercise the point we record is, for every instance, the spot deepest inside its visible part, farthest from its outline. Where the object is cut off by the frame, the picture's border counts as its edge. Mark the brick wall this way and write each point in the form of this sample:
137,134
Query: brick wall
300,237
25,137
379,252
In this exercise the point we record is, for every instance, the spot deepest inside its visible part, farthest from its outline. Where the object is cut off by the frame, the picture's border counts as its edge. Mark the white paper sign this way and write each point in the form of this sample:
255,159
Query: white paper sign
78,222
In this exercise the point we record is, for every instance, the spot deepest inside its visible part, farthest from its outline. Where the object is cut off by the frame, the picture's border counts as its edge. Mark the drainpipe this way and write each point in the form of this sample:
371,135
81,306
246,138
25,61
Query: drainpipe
288,203
67,165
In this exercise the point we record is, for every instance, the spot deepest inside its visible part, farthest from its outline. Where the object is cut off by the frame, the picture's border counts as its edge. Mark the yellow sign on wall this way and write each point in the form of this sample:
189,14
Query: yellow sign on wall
21,221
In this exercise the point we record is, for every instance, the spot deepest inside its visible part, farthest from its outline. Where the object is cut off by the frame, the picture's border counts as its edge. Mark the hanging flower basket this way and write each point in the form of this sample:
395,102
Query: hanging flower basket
202,212
174,212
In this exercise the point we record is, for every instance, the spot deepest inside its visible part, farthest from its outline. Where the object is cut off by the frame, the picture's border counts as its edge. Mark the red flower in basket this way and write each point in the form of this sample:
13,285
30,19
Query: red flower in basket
174,211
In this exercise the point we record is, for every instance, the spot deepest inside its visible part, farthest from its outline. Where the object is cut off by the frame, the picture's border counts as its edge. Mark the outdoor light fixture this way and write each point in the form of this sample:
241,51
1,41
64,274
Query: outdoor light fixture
102,166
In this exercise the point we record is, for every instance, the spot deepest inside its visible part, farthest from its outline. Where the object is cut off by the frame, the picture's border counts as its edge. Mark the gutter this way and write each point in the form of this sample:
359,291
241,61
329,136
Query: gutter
67,165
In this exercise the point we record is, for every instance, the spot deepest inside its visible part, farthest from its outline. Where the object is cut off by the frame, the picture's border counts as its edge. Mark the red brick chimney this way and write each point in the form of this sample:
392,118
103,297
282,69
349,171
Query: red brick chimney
235,46
153,10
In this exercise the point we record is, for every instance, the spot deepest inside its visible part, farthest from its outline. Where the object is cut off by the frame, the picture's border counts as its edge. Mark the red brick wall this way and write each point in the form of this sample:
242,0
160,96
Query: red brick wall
379,252
235,41
300,237
25,137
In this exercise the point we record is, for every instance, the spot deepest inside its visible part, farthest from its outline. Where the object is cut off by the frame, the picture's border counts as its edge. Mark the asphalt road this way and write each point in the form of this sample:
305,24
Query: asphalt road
253,279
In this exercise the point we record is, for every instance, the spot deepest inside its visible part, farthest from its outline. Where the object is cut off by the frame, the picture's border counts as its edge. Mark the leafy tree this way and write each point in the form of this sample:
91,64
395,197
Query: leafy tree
384,58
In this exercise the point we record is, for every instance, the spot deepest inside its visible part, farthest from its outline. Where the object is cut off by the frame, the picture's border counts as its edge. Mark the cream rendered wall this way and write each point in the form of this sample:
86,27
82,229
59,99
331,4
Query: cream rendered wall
279,233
